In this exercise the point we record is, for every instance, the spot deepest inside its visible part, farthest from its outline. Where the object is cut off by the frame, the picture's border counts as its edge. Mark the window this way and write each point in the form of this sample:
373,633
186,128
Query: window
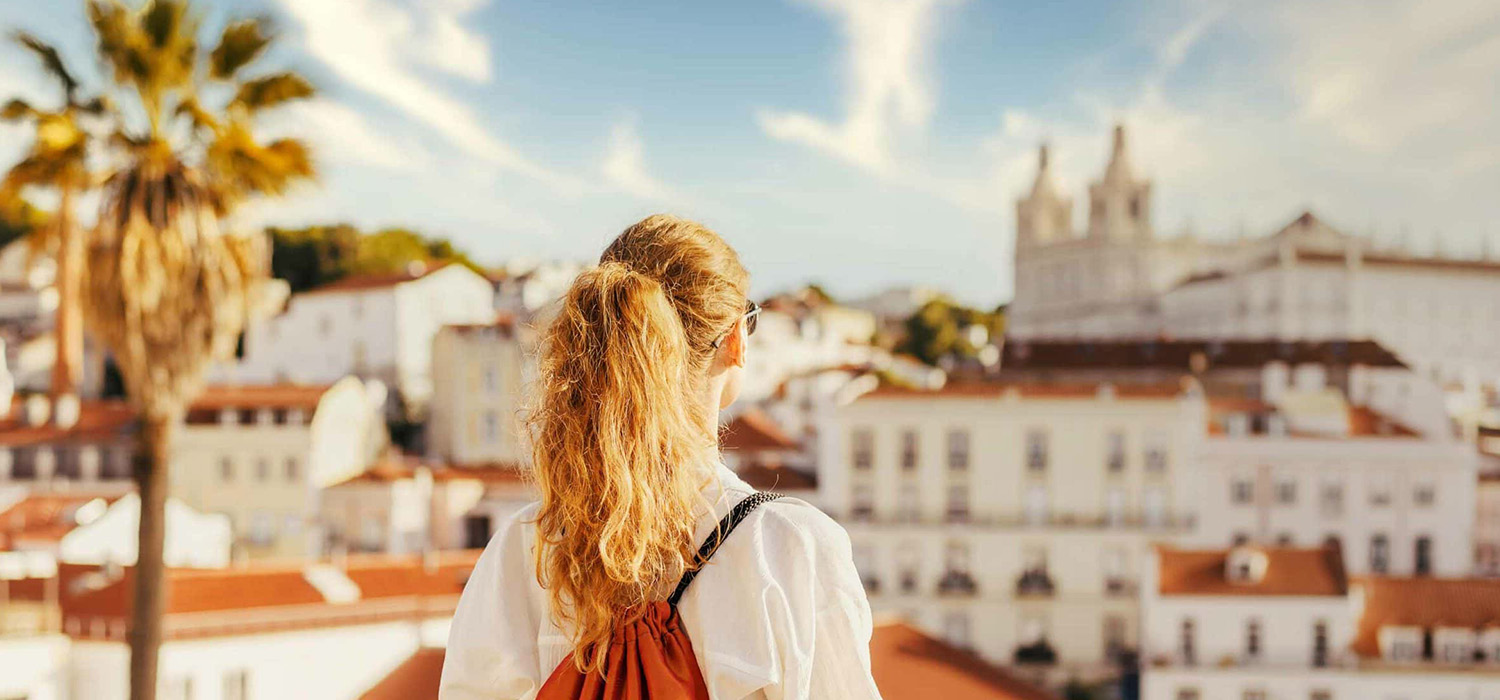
1424,495
1156,451
1255,694
1252,639
263,470
237,684
1241,492
1380,554
1380,495
958,502
1114,461
1187,644
491,427
1036,450
1189,694
1114,636
226,469
1320,694
908,450
1284,539
1036,504
262,528
907,566
179,688
909,505
491,379
1239,539
1331,499
864,501
1156,506
1286,493
1114,505
863,442
1320,644
293,469
1423,556
958,449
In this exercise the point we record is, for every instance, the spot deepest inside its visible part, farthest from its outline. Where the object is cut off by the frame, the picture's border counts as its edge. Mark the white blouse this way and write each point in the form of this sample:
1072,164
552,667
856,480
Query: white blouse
778,613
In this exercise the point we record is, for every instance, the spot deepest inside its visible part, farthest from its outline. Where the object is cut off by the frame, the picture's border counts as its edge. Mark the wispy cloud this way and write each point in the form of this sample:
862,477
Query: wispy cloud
339,134
370,45
624,165
887,44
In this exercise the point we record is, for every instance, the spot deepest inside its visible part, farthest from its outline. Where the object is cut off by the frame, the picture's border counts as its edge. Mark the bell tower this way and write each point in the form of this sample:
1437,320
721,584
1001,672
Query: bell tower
1120,203
1043,216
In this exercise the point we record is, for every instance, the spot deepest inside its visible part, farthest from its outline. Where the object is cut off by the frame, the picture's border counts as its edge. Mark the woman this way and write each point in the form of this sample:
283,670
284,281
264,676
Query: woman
646,349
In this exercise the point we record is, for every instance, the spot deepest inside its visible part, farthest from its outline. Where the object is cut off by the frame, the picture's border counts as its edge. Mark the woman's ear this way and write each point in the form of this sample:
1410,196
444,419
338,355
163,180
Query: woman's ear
734,345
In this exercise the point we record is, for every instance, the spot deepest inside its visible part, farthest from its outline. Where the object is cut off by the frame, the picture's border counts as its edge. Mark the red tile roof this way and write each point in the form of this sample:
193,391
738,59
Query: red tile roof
1116,355
908,664
752,431
1289,572
291,396
1424,602
416,678
98,421
43,517
390,471
280,595
1028,390
772,477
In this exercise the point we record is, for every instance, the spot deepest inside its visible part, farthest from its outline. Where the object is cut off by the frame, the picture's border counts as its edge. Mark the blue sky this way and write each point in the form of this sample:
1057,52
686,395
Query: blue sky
866,143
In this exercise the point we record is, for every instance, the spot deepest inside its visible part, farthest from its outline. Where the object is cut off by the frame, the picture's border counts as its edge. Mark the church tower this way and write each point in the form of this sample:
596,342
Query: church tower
1043,216
1120,204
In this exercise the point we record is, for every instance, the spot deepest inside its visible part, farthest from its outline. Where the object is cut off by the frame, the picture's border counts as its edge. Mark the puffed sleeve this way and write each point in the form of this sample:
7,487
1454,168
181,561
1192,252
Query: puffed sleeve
784,611
492,644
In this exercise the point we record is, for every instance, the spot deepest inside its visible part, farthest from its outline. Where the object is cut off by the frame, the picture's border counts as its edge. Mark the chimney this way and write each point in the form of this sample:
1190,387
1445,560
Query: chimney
65,410
35,410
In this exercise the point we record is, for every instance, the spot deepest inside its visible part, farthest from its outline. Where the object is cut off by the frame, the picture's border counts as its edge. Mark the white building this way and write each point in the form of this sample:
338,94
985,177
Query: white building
407,506
797,334
373,327
1013,519
261,454
481,375
1308,281
524,289
1257,623
1487,519
1314,468
82,528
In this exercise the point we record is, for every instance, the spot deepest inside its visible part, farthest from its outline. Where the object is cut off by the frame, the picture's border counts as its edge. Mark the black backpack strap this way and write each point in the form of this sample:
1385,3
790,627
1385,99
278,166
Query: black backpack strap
716,538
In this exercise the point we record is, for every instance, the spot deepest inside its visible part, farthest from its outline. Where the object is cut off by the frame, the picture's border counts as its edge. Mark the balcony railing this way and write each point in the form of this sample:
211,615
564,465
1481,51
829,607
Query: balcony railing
1035,582
1039,652
957,583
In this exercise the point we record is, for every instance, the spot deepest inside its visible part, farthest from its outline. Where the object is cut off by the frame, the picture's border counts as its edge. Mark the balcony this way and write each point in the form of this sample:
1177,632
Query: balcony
1035,583
1038,653
957,583
1119,586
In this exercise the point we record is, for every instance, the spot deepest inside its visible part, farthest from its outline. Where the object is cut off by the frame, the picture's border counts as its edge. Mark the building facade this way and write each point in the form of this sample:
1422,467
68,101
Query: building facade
1013,519
481,374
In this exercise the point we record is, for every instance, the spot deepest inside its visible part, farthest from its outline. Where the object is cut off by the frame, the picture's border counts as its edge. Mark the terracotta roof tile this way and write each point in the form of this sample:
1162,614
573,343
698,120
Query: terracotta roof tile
1289,572
1028,390
770,477
1424,602
908,664
291,396
98,421
43,517
359,283
415,679
753,430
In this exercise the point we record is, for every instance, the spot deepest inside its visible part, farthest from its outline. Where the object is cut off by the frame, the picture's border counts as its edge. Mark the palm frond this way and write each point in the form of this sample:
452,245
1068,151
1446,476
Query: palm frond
272,90
244,168
118,45
52,61
241,43
196,114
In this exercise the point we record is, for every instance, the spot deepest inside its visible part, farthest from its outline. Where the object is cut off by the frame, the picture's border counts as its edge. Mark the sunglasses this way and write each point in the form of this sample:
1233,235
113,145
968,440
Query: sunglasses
751,318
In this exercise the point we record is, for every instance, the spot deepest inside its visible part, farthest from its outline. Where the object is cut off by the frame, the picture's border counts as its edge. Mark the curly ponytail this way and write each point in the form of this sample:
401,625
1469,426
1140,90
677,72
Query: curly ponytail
620,433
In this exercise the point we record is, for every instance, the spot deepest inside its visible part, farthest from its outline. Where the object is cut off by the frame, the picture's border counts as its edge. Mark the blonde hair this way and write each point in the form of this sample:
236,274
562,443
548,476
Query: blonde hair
619,430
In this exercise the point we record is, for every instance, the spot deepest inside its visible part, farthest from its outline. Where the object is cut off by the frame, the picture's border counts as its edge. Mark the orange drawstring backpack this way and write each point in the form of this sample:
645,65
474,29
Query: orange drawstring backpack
650,655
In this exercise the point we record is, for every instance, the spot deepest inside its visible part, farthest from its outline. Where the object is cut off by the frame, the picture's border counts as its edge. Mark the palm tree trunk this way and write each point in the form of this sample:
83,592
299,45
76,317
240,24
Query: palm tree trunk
151,460
68,333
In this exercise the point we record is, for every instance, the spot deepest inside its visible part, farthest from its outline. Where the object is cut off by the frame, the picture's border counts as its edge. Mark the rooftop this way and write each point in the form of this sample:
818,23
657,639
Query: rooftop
98,421
1179,354
44,517
752,430
775,477
362,283
1288,572
1427,603
1030,390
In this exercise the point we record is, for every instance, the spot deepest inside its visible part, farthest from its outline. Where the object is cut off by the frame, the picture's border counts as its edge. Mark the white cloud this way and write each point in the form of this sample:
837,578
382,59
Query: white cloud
365,43
624,165
340,134
447,43
887,44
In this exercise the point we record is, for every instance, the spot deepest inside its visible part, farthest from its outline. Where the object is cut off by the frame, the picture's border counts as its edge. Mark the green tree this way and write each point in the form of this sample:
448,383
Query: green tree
57,161
168,289
316,255
942,329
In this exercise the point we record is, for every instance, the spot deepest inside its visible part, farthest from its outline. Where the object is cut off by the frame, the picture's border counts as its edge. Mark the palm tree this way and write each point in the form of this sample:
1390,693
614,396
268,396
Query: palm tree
169,285
57,160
